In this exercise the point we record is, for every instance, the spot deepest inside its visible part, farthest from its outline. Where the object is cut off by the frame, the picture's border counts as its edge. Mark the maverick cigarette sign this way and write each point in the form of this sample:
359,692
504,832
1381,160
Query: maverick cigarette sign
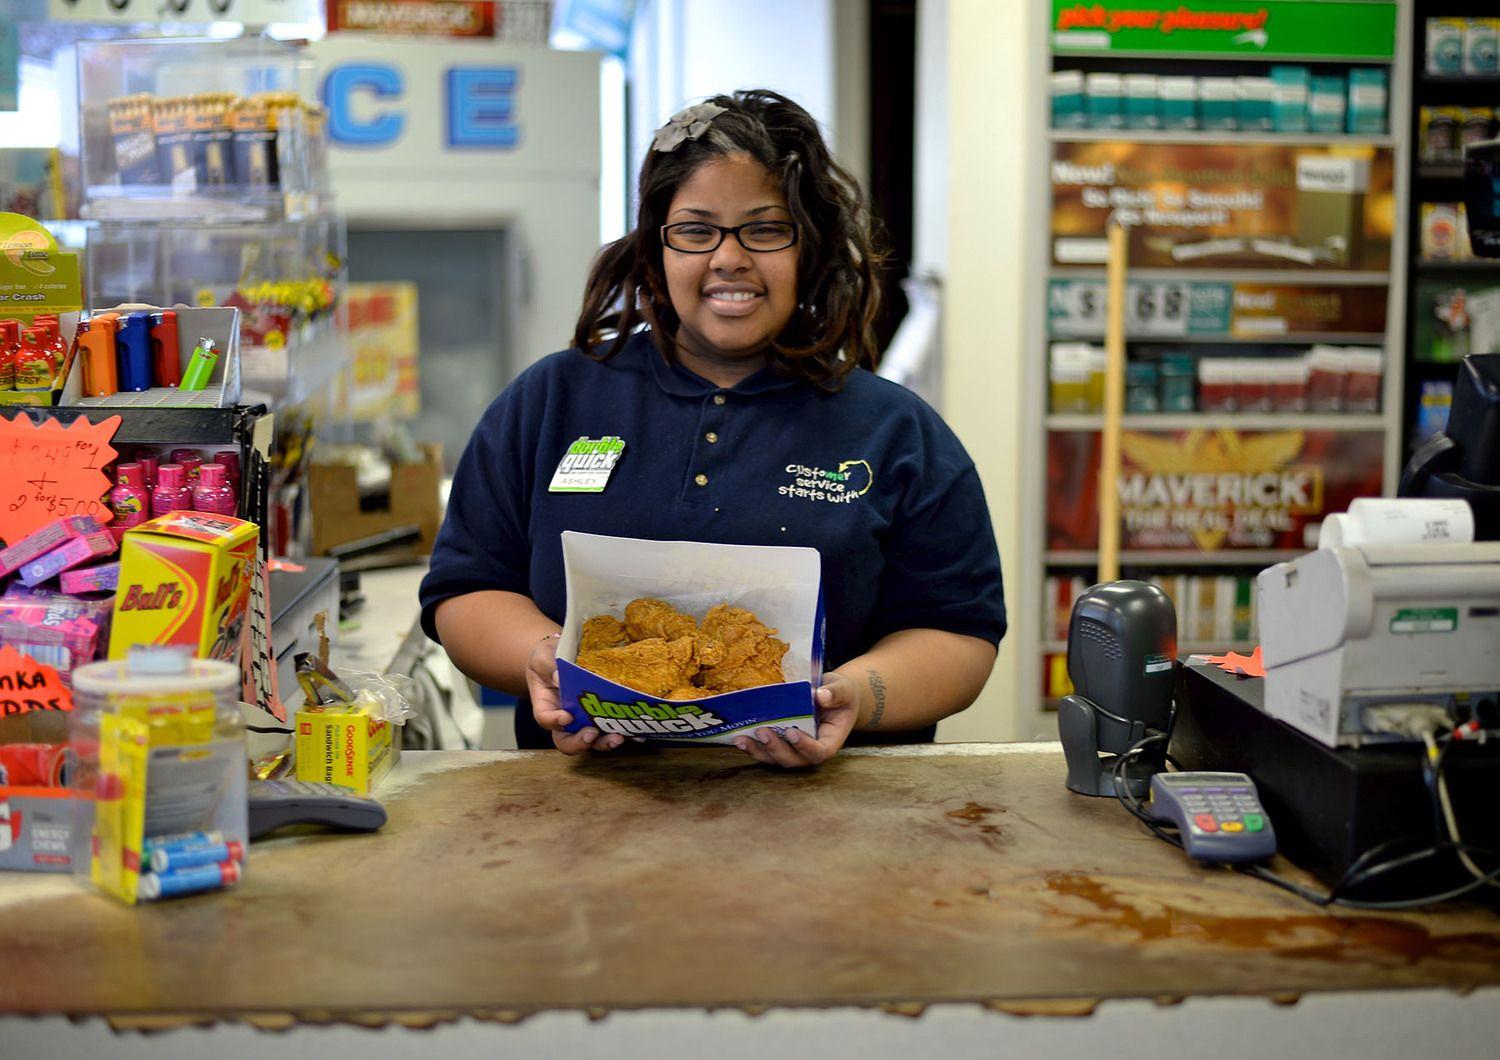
1278,29
1210,490
1226,205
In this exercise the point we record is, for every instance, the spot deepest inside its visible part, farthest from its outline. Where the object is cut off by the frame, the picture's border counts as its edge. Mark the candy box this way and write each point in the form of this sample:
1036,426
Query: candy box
781,585
53,628
35,546
185,580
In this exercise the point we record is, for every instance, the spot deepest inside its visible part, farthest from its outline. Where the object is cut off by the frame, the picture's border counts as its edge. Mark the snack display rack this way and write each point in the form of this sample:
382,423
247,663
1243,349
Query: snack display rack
1263,187
206,182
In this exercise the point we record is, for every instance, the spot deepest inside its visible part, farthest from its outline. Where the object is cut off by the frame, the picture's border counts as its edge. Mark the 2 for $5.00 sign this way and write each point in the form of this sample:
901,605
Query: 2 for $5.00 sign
49,471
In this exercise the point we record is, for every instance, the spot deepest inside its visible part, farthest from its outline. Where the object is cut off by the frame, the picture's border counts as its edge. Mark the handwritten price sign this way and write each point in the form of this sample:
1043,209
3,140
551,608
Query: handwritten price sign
49,471
26,685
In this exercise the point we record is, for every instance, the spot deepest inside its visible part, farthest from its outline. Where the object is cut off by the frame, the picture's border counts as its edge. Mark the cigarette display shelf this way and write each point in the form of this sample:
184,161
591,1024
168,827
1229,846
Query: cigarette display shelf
1216,136
1168,558
1436,333
1245,421
1070,235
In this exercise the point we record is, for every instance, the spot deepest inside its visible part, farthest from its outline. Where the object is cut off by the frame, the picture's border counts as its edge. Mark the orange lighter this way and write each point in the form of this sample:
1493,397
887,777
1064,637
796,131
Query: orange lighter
100,376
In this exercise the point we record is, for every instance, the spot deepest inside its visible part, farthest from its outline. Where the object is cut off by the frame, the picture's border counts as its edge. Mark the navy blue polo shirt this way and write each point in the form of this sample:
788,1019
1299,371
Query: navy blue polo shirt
869,475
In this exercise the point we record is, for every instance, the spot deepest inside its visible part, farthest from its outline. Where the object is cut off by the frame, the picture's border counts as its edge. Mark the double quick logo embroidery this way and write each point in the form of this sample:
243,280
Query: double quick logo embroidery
587,465
850,481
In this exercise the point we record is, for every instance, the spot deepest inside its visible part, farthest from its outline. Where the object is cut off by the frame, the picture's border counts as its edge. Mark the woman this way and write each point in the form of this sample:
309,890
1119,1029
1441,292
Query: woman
726,342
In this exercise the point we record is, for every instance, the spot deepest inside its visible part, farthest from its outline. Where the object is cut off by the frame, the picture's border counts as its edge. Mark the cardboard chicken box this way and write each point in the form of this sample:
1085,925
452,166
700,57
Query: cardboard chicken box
689,642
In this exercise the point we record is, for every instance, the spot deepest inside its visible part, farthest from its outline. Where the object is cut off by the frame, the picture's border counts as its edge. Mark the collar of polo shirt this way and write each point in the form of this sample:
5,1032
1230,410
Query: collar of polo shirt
679,382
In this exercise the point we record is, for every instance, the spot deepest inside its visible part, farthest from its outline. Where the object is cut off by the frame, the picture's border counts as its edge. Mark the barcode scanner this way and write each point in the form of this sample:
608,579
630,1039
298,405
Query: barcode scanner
1122,651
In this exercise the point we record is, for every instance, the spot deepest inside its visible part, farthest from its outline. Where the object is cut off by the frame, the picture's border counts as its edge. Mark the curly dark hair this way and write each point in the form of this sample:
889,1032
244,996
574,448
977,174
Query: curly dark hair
838,262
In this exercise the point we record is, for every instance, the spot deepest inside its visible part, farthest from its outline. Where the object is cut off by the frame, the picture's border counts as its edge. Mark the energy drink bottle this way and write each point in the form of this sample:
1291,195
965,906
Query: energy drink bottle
230,458
128,500
171,493
191,460
212,493
34,363
10,348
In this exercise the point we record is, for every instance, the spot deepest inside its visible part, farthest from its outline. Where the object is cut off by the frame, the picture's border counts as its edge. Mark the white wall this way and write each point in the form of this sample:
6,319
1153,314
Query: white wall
684,50
991,304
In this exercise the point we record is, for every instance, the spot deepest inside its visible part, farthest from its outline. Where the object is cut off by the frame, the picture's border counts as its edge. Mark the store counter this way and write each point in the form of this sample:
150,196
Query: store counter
514,883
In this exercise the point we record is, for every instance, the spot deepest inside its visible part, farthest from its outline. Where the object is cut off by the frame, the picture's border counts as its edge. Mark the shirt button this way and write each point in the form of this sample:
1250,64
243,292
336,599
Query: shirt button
711,437
702,480
718,399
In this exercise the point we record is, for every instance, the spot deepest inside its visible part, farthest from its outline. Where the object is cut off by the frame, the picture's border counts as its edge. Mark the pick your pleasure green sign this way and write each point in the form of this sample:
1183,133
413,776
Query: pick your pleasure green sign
1248,29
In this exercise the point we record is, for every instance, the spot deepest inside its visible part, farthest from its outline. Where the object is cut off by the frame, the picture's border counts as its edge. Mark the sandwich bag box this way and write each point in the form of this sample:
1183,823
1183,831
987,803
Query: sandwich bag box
781,585
346,744
185,580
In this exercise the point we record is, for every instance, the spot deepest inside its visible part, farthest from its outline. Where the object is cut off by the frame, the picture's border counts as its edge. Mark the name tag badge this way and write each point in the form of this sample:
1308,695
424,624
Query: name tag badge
587,465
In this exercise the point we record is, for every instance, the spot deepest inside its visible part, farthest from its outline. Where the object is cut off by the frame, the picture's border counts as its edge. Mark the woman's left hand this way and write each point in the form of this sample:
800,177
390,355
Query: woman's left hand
838,709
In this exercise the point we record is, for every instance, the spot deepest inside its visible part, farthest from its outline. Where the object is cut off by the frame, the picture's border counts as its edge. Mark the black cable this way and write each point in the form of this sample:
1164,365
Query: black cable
1360,871
270,729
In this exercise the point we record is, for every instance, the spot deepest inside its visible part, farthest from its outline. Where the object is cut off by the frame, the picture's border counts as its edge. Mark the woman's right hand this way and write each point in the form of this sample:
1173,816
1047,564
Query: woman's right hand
547,708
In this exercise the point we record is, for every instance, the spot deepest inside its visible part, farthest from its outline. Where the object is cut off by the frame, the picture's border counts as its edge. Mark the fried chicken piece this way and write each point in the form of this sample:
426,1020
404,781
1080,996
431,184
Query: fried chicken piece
652,666
649,617
686,694
602,631
752,655
761,667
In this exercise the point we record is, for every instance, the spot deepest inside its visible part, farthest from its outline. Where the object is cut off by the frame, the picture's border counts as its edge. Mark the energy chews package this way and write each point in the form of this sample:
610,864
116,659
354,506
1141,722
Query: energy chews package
777,588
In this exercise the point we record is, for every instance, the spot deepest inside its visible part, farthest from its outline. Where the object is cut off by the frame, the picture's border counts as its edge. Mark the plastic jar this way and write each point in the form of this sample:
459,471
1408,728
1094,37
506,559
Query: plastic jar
161,752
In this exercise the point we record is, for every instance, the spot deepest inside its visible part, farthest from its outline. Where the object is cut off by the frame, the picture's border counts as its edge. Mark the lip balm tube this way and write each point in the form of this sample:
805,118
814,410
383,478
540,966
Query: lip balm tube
100,377
201,368
134,346
164,348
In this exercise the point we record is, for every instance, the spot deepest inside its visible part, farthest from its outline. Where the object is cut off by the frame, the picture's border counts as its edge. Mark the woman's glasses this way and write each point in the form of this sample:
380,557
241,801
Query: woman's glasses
700,237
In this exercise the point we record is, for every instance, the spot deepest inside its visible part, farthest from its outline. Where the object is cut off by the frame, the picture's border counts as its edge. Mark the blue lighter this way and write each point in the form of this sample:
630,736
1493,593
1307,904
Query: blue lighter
134,346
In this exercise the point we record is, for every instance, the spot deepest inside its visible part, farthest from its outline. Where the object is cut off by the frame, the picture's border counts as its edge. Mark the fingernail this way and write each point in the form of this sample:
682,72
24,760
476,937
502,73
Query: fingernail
589,735
763,735
743,745
824,695
793,735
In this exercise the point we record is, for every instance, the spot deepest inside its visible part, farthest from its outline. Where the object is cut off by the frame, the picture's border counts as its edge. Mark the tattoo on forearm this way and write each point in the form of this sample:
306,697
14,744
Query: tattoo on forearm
877,686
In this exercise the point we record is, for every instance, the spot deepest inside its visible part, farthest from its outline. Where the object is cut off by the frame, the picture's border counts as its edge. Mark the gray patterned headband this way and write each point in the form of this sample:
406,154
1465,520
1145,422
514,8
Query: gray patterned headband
688,124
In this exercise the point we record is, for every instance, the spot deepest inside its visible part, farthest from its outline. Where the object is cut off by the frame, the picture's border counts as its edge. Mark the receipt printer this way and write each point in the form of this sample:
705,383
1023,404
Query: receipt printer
1357,637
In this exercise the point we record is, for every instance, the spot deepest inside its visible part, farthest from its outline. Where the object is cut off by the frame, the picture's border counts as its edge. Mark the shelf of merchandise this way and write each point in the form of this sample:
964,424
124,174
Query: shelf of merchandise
1238,557
1243,421
1216,136
1034,647
1266,338
1437,182
1322,278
